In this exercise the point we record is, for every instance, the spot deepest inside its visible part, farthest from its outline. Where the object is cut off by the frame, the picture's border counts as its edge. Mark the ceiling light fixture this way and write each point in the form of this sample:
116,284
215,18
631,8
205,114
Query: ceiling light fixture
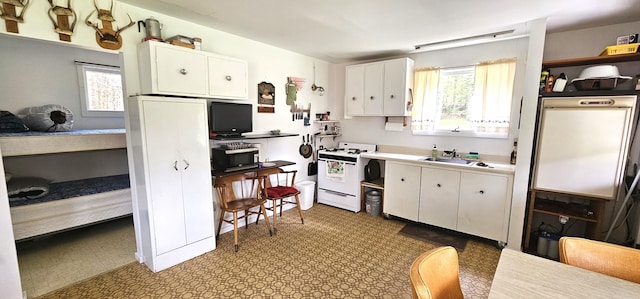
469,40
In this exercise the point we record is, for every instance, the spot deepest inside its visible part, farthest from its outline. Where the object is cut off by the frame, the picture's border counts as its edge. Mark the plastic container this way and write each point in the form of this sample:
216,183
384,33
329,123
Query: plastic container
307,193
620,49
373,203
543,244
553,250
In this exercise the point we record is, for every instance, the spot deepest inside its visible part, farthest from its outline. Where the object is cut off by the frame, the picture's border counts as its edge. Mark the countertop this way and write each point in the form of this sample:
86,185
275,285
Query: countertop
419,161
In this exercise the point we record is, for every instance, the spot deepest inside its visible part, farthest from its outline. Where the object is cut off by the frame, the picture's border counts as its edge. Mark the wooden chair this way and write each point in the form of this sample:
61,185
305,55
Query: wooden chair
434,274
279,188
240,193
606,258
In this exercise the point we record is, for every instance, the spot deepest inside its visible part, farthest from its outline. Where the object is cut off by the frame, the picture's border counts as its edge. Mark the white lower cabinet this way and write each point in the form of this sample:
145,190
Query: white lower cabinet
484,205
169,148
439,191
402,190
472,202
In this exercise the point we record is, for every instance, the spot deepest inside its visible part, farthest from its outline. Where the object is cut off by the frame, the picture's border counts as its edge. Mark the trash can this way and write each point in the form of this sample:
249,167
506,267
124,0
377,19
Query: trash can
307,193
372,203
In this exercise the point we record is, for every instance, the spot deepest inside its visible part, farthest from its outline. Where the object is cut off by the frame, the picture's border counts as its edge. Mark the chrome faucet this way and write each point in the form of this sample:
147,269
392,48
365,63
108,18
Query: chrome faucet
451,153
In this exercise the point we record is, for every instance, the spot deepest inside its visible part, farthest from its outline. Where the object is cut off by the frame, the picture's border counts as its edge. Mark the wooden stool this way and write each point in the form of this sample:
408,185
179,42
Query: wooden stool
376,184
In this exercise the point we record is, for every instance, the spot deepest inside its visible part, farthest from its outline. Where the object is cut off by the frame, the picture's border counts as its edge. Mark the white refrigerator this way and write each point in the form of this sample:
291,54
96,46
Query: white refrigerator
582,145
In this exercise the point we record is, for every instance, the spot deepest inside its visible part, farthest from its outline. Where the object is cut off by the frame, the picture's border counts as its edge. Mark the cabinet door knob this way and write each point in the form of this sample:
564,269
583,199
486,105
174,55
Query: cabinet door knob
481,191
183,71
402,179
371,97
353,99
438,185
175,165
392,96
227,77
186,163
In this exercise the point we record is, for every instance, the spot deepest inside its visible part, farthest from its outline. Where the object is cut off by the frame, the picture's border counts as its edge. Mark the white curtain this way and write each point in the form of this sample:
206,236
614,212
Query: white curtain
425,104
491,103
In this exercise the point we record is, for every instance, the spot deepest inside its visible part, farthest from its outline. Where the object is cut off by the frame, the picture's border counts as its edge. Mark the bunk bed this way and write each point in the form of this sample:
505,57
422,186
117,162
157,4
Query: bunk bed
74,203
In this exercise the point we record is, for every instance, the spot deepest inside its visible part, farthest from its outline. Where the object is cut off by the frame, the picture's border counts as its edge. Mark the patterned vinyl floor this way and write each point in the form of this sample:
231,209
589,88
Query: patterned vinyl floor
334,254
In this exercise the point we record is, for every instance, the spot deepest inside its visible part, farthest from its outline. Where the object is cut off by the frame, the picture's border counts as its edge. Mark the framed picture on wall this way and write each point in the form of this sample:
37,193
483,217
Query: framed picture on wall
266,93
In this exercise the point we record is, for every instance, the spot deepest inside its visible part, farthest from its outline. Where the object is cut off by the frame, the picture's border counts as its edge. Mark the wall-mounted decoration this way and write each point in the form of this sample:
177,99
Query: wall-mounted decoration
107,37
9,13
266,93
61,23
315,87
266,109
293,85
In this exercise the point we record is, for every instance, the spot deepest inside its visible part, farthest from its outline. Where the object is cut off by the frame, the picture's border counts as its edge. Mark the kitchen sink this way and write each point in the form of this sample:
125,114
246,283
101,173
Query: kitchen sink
448,160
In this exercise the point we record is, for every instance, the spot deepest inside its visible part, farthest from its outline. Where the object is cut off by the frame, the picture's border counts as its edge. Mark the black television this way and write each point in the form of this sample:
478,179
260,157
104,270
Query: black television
230,119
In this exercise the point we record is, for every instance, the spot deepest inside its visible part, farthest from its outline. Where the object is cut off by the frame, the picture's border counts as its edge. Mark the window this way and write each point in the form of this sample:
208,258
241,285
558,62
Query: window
470,101
101,90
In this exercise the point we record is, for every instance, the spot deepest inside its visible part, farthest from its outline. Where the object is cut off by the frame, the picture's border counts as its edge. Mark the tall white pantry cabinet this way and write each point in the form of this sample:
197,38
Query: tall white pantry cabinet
170,153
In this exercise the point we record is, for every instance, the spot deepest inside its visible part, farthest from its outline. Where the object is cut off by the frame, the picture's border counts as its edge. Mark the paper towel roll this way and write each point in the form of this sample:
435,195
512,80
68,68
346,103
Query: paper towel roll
393,126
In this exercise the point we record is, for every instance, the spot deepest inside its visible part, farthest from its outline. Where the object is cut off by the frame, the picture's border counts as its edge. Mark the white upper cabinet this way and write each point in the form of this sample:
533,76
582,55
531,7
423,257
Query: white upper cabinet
354,91
373,88
172,70
380,88
227,77
398,87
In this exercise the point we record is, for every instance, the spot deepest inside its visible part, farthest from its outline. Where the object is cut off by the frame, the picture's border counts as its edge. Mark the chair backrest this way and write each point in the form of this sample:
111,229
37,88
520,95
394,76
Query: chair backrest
237,186
606,258
434,274
278,177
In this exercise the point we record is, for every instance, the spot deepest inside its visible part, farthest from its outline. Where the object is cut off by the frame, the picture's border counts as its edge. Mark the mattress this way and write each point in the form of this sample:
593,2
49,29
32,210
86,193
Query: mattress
77,188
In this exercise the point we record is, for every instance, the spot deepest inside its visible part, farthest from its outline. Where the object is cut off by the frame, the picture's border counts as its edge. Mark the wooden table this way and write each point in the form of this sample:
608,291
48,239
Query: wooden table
272,164
521,275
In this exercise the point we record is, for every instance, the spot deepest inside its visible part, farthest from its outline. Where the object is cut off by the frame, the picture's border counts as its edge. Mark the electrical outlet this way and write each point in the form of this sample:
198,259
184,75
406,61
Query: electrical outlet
563,219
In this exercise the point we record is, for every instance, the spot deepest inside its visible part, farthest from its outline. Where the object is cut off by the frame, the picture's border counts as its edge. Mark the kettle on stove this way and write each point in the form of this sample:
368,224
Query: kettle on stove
152,29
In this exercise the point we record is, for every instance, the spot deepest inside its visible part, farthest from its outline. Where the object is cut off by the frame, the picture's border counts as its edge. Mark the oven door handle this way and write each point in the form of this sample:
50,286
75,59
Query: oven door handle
336,193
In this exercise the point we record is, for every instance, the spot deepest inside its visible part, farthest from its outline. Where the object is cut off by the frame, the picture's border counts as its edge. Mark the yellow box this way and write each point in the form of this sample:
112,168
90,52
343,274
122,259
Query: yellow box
620,49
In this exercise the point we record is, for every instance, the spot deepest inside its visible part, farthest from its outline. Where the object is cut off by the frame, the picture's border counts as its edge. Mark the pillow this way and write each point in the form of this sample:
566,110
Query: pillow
27,188
9,123
49,118
280,191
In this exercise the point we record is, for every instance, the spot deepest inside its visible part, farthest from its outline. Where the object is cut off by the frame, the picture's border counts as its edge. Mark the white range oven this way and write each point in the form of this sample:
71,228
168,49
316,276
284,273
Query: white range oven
340,171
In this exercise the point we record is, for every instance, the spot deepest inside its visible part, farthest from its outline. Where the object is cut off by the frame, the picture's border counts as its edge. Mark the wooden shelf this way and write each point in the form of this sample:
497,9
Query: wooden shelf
557,208
592,213
37,143
586,93
590,60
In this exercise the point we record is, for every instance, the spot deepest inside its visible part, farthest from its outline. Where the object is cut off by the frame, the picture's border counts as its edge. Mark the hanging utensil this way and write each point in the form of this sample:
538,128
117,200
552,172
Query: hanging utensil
312,168
305,149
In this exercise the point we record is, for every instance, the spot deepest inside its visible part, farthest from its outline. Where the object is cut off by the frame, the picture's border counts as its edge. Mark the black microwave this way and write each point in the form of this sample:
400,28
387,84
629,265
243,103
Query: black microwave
227,160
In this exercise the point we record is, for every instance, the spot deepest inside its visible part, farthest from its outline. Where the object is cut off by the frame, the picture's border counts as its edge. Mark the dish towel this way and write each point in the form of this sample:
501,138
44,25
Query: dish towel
335,170
292,92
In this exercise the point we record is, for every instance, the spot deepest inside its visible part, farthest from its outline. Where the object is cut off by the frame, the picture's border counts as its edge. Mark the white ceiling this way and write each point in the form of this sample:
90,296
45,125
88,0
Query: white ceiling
347,30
